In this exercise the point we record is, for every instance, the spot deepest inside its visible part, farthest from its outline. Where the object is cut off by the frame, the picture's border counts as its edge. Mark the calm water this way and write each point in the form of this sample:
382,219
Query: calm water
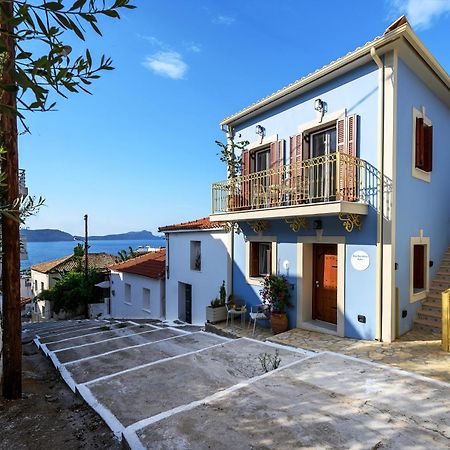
46,251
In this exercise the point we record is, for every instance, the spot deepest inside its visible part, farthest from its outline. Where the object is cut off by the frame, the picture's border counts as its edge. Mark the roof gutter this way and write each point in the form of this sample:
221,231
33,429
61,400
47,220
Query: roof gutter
380,245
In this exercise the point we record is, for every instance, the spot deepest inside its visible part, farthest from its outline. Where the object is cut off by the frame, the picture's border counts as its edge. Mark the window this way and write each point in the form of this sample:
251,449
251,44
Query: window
146,298
419,266
35,285
422,155
127,293
262,160
42,286
196,255
260,259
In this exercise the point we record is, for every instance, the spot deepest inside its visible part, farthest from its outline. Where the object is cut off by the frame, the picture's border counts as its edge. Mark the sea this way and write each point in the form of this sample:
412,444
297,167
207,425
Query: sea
39,252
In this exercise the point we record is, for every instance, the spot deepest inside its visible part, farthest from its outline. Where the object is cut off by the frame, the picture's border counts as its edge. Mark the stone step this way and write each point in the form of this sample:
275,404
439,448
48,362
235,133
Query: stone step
432,303
428,324
431,313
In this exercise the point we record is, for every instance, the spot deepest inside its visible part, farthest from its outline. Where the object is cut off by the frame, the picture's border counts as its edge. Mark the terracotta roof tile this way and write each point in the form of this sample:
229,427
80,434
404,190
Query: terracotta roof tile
152,265
68,263
200,224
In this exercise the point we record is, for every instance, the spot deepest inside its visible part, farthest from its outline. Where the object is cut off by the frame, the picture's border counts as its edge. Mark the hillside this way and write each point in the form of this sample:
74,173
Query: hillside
50,235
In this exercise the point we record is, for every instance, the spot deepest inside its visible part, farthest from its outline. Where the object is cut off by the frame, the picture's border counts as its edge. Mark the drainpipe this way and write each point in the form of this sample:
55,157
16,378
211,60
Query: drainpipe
380,64
229,132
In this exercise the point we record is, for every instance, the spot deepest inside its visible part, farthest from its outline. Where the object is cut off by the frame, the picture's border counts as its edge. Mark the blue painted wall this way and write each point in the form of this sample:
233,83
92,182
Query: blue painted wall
420,204
357,92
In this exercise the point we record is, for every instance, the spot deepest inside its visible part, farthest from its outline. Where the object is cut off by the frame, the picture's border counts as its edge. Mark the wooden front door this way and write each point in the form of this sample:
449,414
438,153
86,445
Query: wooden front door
188,303
325,282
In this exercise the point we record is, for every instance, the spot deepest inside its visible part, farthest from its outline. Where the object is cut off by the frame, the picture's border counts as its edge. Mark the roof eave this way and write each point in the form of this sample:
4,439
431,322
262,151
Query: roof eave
360,56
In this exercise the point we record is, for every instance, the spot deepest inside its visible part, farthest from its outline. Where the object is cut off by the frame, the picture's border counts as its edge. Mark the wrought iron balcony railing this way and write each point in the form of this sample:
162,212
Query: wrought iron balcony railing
333,177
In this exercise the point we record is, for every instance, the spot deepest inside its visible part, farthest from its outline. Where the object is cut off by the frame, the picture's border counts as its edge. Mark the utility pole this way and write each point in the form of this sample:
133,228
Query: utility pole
12,343
86,246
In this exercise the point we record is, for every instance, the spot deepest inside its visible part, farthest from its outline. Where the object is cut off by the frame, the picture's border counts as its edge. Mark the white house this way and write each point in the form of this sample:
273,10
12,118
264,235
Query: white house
197,263
137,287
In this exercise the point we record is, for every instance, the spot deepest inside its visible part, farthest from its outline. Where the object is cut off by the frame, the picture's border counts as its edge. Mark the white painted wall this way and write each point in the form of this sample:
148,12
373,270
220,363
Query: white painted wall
37,278
135,309
206,282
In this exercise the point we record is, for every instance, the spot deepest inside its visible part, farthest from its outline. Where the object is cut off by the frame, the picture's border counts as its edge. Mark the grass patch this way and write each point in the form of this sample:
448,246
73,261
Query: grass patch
105,328
122,325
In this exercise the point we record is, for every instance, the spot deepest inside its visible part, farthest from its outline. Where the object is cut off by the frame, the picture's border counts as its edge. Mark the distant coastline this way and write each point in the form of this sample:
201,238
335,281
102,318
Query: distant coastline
53,235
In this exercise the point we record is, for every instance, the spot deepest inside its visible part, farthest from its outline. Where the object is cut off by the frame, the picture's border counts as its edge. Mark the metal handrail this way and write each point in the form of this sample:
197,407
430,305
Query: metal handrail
333,177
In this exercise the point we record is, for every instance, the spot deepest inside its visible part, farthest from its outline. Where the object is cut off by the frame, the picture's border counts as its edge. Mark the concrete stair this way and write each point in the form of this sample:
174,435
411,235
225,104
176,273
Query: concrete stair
429,315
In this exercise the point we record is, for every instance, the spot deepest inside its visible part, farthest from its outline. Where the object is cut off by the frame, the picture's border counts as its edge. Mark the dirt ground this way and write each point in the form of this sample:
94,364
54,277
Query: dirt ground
50,415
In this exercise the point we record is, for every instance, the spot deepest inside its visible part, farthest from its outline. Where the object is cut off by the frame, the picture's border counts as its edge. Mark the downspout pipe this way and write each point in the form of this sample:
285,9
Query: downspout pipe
229,132
380,64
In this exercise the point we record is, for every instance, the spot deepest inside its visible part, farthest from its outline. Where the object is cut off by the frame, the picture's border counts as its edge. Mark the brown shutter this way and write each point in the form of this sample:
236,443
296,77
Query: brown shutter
340,138
419,267
254,259
297,172
245,188
276,163
428,148
351,150
269,260
420,147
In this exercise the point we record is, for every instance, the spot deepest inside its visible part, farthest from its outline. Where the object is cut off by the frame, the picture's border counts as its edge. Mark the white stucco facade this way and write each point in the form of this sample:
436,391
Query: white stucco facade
42,281
136,297
205,283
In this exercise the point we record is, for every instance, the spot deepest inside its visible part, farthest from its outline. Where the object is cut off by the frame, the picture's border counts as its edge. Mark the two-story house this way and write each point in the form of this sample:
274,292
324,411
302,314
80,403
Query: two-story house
345,189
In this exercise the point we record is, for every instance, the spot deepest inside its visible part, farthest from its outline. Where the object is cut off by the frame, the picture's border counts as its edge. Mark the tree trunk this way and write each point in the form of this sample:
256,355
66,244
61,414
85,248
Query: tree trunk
12,344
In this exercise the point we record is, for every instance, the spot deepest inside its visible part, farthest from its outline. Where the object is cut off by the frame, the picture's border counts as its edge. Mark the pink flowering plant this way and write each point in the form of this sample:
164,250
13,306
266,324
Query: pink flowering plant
276,293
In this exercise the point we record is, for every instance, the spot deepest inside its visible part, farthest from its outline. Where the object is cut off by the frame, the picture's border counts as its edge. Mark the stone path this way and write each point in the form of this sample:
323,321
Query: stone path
417,351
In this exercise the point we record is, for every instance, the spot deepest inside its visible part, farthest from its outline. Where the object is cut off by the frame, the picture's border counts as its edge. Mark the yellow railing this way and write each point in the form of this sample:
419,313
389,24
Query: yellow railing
333,177
446,320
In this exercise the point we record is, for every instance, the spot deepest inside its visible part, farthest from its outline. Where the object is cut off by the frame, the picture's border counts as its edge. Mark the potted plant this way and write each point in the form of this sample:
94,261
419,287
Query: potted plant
234,169
217,311
276,293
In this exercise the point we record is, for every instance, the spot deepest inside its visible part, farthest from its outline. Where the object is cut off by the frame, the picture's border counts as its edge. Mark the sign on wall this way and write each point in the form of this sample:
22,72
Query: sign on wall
360,260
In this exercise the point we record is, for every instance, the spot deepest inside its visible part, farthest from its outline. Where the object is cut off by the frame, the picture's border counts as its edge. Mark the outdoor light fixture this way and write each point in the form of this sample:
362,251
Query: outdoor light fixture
321,107
260,130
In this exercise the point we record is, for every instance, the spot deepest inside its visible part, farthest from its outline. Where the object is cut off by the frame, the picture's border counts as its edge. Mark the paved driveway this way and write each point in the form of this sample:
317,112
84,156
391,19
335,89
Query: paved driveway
167,388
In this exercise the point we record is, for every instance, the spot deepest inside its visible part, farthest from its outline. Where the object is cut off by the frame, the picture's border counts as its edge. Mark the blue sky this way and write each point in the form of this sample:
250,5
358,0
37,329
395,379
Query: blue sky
140,152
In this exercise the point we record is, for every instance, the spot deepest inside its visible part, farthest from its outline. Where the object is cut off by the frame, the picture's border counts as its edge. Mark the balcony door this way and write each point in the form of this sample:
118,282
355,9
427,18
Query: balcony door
261,182
323,171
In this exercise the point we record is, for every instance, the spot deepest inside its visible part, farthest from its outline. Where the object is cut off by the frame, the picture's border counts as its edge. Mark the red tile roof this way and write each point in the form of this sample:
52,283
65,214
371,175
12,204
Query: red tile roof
152,265
68,263
200,224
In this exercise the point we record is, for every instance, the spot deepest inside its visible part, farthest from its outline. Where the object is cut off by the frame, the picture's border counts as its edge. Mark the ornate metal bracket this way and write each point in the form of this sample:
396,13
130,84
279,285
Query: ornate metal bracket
349,221
259,226
296,223
228,226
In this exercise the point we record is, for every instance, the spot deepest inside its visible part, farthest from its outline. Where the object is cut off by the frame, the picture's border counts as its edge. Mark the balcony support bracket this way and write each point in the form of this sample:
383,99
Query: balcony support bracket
232,226
350,221
259,226
296,223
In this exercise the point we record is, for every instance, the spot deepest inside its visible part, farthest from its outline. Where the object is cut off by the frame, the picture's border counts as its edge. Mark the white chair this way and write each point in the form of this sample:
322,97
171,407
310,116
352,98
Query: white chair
236,308
258,312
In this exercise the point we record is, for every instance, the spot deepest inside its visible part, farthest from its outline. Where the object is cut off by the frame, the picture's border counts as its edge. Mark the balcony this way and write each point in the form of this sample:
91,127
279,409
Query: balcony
325,185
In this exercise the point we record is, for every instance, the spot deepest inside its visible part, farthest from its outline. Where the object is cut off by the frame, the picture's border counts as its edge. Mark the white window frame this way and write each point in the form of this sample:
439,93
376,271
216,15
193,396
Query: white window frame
146,307
419,240
268,239
192,257
125,290
419,173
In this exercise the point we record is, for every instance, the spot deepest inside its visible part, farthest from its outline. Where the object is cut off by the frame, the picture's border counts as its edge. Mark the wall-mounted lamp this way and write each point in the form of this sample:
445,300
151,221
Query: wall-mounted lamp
260,131
317,225
321,107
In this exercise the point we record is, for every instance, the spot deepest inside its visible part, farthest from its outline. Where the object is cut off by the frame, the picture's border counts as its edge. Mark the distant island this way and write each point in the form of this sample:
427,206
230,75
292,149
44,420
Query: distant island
49,235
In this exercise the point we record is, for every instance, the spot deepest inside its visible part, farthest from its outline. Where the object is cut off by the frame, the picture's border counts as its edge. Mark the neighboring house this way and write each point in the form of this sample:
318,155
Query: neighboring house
45,275
345,190
138,288
197,260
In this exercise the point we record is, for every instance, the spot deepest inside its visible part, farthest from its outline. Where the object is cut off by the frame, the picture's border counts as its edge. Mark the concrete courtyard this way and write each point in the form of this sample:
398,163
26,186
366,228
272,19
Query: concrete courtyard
169,388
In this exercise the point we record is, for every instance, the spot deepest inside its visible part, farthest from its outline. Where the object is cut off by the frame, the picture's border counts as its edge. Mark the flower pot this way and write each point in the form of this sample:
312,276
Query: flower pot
279,322
218,314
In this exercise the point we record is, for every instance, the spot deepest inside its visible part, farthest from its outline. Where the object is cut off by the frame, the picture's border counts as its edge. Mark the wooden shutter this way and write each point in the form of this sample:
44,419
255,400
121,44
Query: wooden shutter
428,148
276,164
297,173
352,139
254,259
244,200
269,259
340,136
420,147
419,267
